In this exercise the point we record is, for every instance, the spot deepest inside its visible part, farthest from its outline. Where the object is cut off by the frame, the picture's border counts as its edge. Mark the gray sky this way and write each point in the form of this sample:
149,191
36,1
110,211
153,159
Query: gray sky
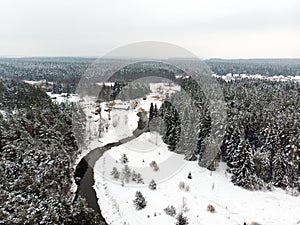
208,28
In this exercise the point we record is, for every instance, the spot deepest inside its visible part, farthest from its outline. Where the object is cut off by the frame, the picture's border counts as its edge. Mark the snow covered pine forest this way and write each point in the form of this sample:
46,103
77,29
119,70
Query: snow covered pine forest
253,179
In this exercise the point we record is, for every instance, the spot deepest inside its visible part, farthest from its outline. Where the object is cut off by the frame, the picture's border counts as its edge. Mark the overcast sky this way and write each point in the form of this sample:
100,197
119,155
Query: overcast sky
208,28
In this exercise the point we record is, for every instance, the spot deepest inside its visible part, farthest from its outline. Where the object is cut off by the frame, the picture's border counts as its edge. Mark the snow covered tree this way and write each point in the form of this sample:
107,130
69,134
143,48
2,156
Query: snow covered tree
172,121
124,158
210,152
280,169
136,177
243,167
133,176
155,111
151,111
139,201
152,185
115,173
182,220
139,179
126,173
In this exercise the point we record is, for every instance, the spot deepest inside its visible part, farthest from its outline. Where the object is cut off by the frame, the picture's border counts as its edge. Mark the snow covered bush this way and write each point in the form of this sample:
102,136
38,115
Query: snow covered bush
254,223
124,159
139,201
184,206
187,188
133,176
152,185
116,120
154,166
211,208
170,210
181,185
182,220
115,173
139,179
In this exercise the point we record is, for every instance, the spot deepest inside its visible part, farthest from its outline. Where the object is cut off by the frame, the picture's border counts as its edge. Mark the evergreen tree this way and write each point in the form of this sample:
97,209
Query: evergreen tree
139,201
126,173
124,158
155,111
152,185
139,179
243,166
280,170
181,220
151,111
115,173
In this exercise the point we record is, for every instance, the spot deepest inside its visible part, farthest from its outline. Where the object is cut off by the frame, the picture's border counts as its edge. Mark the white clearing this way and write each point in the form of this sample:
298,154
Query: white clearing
233,204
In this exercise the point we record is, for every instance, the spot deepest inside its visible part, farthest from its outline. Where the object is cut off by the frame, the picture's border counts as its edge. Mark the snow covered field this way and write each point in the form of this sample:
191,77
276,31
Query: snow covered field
233,204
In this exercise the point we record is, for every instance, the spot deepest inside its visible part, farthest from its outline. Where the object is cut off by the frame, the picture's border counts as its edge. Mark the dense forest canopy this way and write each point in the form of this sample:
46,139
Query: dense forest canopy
261,141
38,151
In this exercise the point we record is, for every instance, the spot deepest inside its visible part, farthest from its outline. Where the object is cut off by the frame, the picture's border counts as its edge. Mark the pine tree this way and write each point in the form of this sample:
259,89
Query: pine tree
181,220
243,167
124,158
152,185
139,201
139,179
151,111
172,121
126,173
280,169
115,173
155,111
134,176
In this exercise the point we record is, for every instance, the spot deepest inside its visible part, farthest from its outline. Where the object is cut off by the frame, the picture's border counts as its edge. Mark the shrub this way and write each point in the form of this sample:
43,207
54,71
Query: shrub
254,223
211,208
124,159
115,173
154,166
181,185
187,188
170,210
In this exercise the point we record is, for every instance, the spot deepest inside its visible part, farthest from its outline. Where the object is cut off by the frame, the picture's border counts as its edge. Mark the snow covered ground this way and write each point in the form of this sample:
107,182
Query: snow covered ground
233,204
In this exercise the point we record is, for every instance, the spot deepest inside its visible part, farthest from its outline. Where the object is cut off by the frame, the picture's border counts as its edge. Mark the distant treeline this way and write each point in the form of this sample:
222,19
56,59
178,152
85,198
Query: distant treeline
267,67
69,70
